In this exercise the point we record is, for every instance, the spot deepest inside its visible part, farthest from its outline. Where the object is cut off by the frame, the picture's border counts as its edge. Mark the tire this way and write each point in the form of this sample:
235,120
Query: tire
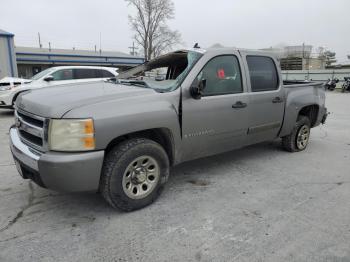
299,138
129,186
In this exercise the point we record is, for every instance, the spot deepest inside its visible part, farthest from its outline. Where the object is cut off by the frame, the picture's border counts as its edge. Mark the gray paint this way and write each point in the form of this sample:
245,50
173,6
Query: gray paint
66,173
58,171
209,125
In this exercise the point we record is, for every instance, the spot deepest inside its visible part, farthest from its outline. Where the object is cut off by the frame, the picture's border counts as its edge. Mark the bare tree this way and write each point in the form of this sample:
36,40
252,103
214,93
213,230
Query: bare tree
149,23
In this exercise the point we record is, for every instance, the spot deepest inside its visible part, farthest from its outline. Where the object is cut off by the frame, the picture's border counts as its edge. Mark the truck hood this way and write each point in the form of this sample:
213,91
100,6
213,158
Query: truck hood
54,102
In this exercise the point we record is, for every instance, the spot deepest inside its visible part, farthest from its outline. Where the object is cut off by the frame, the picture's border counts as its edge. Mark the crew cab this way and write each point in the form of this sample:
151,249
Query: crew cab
121,137
54,76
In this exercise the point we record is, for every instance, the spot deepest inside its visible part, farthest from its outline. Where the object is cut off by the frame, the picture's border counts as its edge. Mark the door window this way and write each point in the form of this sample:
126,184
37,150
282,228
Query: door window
263,73
222,75
65,74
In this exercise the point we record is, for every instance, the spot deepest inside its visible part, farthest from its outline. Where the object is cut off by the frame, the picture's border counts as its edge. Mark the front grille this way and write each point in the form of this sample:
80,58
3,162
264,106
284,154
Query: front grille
29,137
33,121
32,129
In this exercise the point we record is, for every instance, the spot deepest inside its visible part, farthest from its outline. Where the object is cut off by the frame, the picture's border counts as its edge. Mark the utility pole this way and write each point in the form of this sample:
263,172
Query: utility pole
133,48
50,46
100,43
40,45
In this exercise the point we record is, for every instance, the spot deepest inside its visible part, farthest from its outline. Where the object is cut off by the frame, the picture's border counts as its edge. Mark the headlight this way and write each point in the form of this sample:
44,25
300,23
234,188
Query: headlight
71,135
5,88
8,87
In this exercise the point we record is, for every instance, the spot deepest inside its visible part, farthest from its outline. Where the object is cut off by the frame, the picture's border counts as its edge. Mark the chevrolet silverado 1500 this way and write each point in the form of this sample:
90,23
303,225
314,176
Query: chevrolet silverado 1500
121,137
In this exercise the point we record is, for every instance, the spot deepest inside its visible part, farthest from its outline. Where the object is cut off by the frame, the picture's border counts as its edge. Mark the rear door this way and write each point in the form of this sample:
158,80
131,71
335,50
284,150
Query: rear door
266,97
217,122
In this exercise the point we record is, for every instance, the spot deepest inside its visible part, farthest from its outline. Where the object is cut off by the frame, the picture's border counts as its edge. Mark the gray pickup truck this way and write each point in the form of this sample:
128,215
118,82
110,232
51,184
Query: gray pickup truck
120,137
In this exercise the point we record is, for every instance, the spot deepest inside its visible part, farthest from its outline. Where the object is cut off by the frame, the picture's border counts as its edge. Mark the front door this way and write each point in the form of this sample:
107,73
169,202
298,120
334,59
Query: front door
217,122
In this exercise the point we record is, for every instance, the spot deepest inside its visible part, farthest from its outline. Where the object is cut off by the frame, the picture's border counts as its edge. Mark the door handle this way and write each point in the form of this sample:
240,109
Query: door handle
277,99
239,104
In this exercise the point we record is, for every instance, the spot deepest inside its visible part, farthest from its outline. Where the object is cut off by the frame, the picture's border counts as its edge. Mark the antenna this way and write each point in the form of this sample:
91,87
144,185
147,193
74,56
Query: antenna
196,45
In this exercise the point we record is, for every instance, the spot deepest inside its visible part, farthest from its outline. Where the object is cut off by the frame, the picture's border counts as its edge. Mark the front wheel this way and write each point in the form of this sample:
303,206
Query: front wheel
299,138
134,173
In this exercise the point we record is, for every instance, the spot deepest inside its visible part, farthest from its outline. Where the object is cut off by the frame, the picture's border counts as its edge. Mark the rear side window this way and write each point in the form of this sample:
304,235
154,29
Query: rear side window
98,73
91,73
263,73
84,73
106,73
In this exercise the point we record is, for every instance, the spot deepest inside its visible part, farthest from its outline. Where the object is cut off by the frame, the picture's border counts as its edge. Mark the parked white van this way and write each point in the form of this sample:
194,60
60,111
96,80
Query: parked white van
55,76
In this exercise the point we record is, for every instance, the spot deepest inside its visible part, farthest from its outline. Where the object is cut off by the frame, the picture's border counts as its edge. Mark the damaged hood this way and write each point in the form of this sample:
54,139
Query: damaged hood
54,102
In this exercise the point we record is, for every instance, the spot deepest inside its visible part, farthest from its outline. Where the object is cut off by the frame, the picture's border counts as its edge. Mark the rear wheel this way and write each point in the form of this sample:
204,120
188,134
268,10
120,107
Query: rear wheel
299,138
134,173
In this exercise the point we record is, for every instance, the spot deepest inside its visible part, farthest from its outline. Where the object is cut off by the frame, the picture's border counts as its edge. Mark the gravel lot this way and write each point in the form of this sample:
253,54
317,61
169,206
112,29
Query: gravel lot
255,204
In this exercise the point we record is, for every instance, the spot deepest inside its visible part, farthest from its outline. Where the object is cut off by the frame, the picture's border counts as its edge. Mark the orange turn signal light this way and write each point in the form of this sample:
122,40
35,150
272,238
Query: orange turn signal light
89,126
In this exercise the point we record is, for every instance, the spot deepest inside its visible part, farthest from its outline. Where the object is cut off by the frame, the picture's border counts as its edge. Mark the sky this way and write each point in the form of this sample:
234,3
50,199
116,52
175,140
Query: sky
249,24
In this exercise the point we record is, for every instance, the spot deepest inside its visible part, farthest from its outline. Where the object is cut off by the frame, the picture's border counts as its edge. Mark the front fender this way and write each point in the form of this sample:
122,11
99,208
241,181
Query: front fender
113,119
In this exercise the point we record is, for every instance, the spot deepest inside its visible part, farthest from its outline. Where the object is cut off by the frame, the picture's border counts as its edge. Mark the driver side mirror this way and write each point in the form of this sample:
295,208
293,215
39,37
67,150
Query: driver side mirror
197,88
49,78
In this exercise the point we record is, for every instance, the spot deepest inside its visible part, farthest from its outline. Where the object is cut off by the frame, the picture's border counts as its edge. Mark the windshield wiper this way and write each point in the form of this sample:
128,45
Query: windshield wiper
139,83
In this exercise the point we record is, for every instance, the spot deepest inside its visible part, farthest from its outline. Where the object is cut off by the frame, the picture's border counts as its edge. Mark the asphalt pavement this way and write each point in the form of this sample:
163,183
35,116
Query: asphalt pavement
255,204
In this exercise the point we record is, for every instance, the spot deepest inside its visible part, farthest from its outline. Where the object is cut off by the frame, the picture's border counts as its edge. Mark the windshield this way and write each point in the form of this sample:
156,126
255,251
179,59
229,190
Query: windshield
42,73
163,74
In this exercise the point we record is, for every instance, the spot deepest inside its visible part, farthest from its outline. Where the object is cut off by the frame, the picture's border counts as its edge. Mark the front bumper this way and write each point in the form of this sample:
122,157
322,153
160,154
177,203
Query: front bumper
67,172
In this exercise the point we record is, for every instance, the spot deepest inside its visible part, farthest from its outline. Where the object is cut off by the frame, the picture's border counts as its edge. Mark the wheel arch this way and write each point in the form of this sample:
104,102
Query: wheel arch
16,95
162,136
310,111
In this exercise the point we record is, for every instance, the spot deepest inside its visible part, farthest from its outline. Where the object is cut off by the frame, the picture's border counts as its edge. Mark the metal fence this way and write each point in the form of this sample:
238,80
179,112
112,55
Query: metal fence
316,75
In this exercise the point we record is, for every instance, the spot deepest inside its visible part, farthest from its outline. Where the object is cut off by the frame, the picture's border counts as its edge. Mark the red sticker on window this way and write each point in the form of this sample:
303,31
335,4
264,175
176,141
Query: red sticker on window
221,73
